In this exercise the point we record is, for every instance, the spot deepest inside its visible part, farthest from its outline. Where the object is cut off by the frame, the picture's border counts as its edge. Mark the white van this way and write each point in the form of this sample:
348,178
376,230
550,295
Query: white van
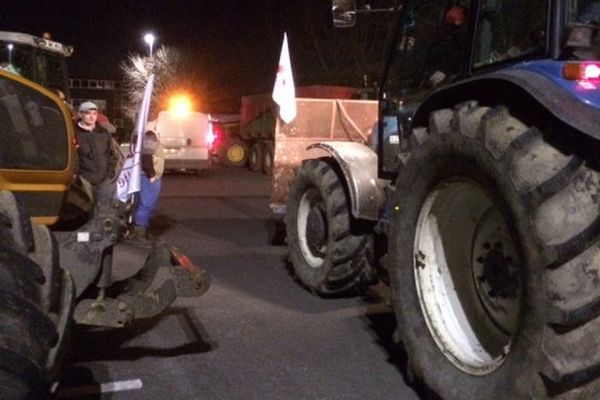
185,139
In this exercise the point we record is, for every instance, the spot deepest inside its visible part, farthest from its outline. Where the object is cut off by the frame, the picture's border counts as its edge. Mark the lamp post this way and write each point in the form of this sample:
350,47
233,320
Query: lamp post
10,48
149,39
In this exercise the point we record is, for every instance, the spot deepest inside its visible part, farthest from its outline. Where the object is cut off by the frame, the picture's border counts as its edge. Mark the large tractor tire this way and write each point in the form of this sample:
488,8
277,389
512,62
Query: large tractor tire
235,153
255,157
494,260
328,250
27,294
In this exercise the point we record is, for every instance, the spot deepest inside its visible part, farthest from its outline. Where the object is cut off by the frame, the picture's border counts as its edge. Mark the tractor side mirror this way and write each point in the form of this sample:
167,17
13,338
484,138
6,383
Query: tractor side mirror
343,13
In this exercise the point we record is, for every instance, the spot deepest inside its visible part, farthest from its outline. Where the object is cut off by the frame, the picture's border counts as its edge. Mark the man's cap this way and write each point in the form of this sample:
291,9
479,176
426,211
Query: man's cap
87,106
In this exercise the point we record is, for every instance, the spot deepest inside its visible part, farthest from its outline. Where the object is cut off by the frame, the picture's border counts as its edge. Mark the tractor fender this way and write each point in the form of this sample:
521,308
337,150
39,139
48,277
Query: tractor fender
527,93
358,163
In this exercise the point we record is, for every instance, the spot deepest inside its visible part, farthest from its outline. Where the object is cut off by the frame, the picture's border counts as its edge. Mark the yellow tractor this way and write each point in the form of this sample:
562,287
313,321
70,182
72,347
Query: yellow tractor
50,275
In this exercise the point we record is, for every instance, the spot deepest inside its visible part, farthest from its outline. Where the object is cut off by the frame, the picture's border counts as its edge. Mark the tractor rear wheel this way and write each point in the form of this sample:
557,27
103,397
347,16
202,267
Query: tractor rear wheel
328,249
27,332
493,240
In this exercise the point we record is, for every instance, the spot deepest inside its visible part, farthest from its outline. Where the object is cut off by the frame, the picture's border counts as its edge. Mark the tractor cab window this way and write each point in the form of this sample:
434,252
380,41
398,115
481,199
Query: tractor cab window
430,49
16,59
586,12
583,39
44,67
51,70
33,132
509,30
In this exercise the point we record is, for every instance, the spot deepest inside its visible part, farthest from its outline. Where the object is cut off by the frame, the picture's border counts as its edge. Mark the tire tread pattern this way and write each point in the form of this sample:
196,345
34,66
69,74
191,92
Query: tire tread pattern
563,192
345,267
28,331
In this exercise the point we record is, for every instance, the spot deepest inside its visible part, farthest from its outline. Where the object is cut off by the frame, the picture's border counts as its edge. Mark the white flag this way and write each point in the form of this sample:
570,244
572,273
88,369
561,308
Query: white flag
284,92
129,177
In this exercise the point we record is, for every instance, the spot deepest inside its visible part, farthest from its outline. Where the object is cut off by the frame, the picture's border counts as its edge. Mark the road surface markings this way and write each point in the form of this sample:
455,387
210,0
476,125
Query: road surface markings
110,387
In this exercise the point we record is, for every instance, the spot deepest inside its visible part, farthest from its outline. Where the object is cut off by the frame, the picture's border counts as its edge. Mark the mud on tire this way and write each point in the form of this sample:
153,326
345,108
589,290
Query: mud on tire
328,250
500,230
27,332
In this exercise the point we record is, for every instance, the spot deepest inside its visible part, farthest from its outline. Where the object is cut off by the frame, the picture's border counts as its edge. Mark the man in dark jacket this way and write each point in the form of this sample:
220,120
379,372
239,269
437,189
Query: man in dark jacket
97,161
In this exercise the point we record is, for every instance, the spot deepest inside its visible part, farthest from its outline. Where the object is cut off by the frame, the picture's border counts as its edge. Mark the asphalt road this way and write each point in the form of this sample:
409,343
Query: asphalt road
256,334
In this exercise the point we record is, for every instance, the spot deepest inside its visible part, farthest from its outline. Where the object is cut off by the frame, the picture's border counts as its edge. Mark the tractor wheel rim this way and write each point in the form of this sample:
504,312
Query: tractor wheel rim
235,153
310,200
463,250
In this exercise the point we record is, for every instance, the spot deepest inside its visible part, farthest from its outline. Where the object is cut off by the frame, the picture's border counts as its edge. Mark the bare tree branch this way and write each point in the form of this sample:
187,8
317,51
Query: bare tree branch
165,65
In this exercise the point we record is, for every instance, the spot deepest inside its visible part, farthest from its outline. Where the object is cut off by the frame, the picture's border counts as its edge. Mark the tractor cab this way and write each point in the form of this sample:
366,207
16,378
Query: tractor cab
38,59
488,50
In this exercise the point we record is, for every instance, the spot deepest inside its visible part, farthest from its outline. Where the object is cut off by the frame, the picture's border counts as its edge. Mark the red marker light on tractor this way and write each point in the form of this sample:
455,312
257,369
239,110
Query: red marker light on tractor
581,71
591,71
586,74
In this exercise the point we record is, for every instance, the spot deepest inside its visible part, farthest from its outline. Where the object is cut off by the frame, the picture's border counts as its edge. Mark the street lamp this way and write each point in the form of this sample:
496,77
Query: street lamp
149,39
10,48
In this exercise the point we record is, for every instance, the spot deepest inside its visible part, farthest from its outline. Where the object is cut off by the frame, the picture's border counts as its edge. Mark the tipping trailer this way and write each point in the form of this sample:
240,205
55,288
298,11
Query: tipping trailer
486,178
253,143
342,121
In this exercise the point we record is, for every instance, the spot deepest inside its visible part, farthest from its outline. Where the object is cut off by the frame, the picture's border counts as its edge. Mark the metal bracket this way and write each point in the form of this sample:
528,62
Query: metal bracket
190,280
116,313
190,285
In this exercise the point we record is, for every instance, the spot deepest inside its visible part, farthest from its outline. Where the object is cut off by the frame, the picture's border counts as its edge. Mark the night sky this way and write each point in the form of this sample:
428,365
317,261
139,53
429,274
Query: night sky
235,44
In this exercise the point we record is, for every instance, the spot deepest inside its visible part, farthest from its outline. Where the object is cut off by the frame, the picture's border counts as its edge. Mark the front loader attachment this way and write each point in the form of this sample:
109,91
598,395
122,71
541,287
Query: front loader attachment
147,293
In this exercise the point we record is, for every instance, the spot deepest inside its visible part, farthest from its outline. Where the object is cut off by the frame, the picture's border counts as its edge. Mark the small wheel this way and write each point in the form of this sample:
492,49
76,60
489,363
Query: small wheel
235,153
255,162
267,159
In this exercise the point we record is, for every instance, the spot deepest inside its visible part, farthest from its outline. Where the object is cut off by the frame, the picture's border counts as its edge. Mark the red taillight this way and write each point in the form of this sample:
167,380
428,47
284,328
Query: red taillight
215,134
218,130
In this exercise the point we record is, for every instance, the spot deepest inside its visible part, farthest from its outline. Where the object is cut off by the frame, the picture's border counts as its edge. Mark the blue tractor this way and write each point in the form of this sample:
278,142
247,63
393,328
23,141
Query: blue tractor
479,201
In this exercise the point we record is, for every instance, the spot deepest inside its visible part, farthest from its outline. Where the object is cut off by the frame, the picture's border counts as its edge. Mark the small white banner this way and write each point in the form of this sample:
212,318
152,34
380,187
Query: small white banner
129,177
284,91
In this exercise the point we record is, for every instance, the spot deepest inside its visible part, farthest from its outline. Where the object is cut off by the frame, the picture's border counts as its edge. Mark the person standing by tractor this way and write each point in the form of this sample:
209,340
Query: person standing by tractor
153,166
104,122
97,160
